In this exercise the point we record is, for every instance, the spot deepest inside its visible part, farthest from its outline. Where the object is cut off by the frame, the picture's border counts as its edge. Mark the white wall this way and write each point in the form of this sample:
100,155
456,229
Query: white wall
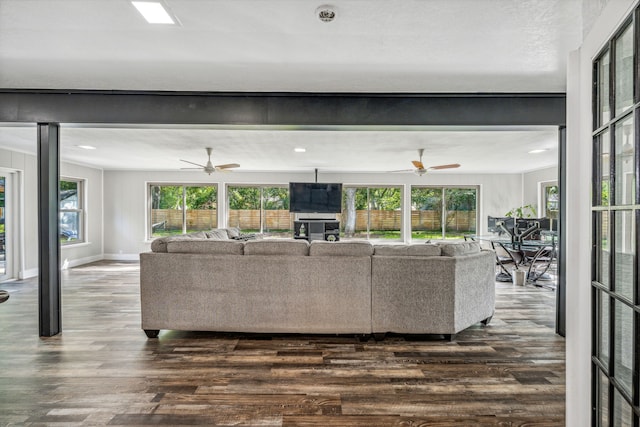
578,228
126,205
25,166
531,186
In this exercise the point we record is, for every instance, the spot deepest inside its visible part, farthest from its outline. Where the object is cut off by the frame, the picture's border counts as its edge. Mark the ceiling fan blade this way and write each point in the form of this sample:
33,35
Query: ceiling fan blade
450,166
227,166
418,164
402,170
187,161
191,169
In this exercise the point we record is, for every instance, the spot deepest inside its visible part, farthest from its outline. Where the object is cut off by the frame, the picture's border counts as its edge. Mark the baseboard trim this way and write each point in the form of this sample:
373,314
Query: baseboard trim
122,257
27,274
66,264
33,272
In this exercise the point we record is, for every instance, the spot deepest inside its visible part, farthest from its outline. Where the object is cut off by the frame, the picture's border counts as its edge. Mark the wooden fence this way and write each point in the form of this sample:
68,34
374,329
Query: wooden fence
206,219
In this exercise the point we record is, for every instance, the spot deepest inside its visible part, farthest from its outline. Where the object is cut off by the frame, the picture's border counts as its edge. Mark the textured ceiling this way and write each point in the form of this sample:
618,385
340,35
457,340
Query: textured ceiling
257,45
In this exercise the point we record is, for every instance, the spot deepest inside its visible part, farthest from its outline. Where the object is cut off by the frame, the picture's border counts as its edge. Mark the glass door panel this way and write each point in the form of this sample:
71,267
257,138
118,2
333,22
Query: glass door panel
624,71
201,208
460,216
602,169
166,212
277,219
426,213
625,163
604,109
603,251
623,338
625,250
604,310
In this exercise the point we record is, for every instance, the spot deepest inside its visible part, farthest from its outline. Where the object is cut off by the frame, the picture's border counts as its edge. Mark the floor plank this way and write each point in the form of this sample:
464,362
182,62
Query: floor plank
102,370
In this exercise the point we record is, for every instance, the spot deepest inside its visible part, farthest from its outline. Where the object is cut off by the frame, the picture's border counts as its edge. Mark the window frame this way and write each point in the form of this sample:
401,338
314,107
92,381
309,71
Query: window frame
80,210
149,210
263,216
367,187
443,211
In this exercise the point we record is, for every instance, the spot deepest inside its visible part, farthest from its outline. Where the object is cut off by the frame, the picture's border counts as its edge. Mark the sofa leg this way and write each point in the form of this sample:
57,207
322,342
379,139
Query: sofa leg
450,337
152,333
379,336
486,321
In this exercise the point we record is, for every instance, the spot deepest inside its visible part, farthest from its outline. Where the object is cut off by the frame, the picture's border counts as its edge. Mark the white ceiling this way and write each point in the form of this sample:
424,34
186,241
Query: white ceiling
256,45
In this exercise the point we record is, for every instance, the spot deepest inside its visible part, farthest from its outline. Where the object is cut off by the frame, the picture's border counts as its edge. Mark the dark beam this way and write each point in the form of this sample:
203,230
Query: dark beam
118,107
49,297
561,287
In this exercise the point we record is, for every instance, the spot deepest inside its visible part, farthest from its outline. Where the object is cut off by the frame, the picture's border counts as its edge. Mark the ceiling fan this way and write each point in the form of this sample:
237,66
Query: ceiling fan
209,168
420,169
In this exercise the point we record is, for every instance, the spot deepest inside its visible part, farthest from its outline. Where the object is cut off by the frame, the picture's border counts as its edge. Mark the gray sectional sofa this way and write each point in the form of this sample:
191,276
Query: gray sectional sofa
204,283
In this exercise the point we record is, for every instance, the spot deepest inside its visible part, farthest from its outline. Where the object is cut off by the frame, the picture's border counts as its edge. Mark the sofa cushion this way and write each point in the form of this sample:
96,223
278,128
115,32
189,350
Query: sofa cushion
459,248
408,250
217,234
233,232
323,248
209,246
276,247
160,244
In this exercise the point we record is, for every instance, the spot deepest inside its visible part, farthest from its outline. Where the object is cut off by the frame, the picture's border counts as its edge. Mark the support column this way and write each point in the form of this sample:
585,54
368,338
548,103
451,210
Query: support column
561,287
49,280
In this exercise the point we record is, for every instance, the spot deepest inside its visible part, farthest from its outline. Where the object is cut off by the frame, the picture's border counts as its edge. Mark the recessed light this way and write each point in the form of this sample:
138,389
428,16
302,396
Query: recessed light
87,147
300,150
538,151
153,12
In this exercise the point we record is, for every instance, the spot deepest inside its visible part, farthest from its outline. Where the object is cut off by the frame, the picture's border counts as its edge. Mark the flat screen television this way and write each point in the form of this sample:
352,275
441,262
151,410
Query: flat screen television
315,197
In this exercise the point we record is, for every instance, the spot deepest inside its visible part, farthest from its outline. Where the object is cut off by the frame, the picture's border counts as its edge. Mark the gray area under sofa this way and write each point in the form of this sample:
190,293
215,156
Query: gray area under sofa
290,286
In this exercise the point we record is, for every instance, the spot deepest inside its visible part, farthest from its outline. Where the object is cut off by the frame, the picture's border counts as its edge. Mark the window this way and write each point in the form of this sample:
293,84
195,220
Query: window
372,212
616,213
178,209
71,211
260,209
551,201
443,212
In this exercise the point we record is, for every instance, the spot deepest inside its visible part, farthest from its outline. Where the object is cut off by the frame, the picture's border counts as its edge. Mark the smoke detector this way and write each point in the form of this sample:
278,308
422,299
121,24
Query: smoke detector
326,13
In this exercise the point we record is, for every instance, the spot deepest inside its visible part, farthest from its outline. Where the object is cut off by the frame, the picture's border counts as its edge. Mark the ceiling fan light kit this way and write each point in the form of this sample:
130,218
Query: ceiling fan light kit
209,168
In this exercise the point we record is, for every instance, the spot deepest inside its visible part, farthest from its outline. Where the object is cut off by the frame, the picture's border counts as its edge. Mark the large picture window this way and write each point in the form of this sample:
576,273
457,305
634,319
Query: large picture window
371,212
71,211
178,208
260,209
615,211
443,212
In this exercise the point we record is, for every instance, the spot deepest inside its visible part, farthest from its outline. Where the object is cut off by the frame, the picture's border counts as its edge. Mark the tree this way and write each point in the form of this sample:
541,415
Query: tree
350,211
166,197
202,197
244,198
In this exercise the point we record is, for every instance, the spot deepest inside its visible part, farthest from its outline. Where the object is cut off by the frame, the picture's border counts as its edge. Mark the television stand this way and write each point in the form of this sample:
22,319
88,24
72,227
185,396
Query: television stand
316,229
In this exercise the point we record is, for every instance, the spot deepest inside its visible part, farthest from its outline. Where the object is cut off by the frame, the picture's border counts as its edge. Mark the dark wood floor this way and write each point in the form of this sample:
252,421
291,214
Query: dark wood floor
102,370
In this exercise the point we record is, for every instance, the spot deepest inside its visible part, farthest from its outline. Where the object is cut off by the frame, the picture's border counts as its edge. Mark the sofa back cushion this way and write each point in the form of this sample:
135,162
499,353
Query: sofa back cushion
160,244
459,248
408,250
276,247
217,234
324,248
209,246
